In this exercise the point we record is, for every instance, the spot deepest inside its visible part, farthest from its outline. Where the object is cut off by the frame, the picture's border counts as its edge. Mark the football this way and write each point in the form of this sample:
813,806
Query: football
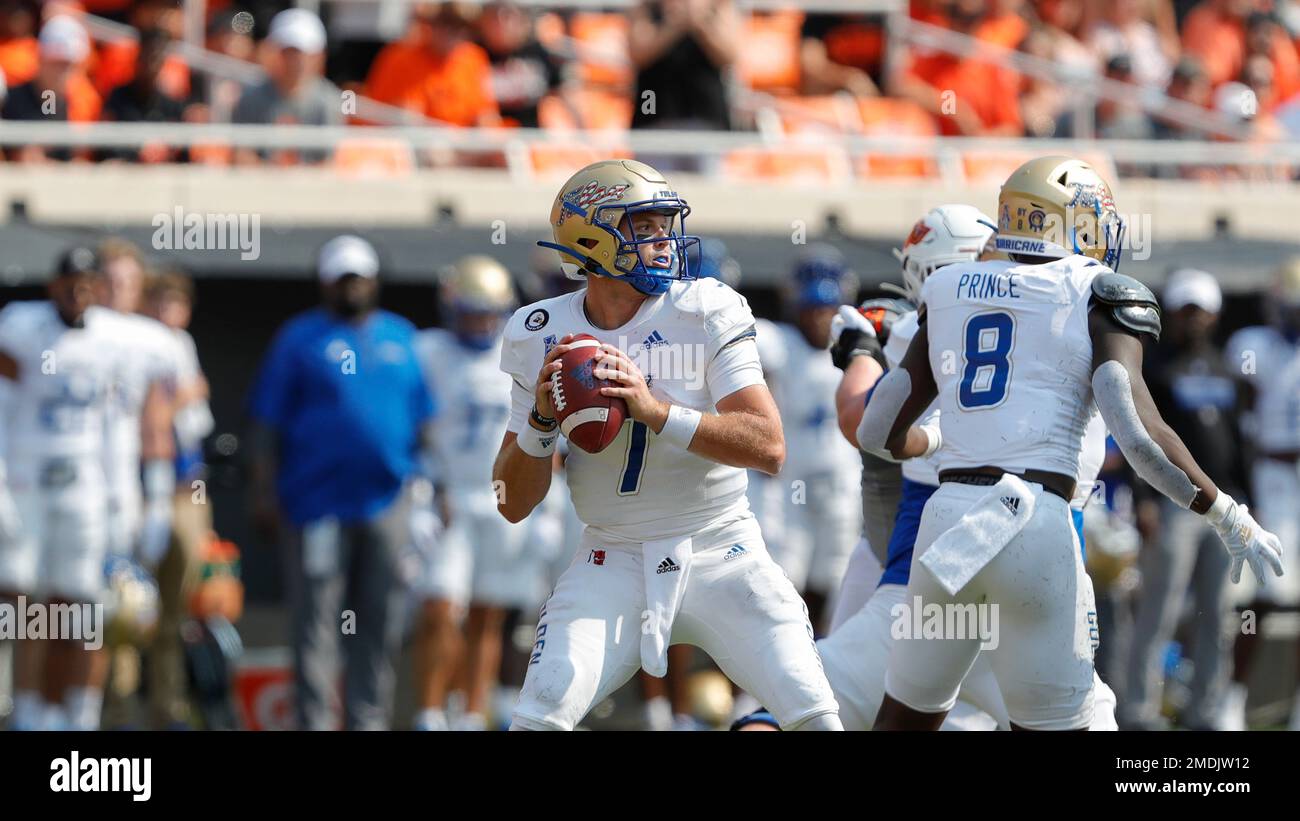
589,420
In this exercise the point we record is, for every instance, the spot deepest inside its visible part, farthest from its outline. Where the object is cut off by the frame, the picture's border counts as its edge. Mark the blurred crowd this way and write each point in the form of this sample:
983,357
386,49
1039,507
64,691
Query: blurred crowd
681,64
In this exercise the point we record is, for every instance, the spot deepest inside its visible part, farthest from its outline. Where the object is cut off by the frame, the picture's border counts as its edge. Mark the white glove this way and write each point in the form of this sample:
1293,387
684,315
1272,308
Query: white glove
848,317
1245,539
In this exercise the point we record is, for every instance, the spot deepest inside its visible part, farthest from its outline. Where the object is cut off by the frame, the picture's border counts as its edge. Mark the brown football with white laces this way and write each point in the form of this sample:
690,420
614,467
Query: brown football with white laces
587,418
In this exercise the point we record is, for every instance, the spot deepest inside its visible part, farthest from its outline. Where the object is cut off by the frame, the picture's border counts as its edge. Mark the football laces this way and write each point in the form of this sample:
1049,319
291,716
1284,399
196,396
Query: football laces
557,392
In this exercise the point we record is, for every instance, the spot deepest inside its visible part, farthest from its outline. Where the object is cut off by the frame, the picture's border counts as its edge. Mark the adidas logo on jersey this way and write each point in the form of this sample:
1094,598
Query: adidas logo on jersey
654,340
1012,504
734,552
668,566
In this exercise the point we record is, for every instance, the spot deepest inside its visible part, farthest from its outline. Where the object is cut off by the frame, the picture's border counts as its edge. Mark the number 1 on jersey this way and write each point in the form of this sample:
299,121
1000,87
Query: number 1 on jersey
634,460
988,343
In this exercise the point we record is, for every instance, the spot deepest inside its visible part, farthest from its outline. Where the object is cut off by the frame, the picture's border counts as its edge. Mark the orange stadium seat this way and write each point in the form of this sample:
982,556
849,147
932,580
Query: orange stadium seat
577,109
561,160
885,117
373,157
769,51
212,153
995,168
601,42
811,164
585,108
832,113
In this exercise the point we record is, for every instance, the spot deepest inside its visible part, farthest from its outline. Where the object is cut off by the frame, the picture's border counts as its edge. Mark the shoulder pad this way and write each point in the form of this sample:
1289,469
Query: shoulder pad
1130,302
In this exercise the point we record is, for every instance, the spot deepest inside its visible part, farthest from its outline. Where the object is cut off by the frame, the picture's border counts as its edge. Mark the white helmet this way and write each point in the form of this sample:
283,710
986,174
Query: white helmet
947,234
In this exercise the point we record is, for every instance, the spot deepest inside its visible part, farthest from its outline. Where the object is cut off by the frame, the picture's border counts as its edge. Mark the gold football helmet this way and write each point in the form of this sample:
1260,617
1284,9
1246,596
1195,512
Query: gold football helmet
478,293
1286,282
590,233
1057,207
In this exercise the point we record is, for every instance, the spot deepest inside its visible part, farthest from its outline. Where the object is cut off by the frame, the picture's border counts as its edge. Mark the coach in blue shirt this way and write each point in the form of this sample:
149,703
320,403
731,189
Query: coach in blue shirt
339,410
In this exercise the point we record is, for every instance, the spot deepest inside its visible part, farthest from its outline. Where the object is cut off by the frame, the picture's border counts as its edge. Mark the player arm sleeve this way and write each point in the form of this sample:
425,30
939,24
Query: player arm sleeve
735,367
1121,312
898,400
1112,389
521,395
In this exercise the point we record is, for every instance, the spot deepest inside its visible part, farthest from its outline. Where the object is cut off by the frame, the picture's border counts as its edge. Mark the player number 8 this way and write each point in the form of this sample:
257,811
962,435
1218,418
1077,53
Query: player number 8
988,344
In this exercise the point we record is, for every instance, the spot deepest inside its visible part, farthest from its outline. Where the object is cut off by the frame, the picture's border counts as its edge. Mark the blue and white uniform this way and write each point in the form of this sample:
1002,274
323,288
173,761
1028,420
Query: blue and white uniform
856,653
812,517
480,557
645,500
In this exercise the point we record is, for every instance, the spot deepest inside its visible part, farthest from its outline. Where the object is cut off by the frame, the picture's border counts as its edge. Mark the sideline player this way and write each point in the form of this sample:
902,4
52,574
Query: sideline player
64,358
1268,359
1039,339
671,552
480,561
813,532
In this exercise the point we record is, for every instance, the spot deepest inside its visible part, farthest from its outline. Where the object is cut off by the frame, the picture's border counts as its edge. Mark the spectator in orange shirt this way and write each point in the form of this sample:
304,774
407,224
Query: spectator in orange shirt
1267,38
1216,32
966,96
19,53
437,72
60,90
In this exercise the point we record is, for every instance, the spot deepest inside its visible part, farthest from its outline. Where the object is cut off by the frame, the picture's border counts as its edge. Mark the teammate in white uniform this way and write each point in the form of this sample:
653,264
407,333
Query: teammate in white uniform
64,357
142,473
1268,359
671,552
480,561
1034,342
813,533
857,651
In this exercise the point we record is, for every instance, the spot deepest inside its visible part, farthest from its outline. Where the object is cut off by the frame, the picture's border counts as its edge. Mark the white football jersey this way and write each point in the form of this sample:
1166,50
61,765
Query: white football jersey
1090,459
151,354
473,399
925,471
1271,362
1012,357
58,407
803,381
694,345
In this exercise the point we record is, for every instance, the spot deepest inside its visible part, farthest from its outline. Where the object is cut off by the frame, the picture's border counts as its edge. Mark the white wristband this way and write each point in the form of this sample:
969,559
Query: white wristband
935,436
1218,512
680,426
536,443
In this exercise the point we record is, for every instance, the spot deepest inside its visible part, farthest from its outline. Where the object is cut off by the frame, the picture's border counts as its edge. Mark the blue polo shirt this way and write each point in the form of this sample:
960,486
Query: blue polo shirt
348,402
